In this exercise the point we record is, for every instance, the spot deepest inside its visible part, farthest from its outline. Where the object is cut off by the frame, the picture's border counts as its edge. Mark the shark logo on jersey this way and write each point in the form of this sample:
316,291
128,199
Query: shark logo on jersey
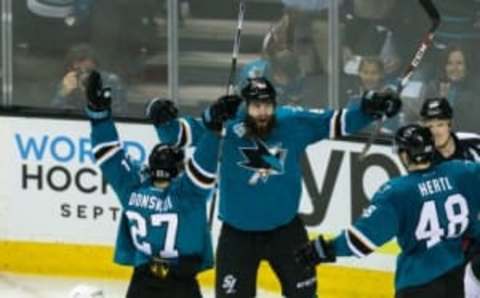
264,161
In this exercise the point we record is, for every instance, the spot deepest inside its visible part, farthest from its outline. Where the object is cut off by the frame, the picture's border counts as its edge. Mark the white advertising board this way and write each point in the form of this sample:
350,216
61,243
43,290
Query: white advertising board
52,191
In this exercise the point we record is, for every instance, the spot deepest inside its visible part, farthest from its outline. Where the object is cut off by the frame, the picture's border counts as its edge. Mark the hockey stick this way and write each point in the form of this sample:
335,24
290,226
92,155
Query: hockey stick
434,16
230,89
236,47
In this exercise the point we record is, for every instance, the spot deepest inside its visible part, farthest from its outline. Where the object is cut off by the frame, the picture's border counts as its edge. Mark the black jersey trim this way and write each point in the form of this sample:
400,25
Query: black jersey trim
359,242
199,177
185,134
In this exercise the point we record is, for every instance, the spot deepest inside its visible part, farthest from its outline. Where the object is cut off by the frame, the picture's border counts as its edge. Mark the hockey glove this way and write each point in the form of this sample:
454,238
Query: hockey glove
386,102
99,99
223,109
161,111
315,252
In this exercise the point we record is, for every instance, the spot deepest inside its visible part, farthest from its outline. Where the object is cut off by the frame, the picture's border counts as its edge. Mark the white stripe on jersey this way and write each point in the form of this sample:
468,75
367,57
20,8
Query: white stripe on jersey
343,123
196,180
184,129
109,154
362,238
333,120
105,144
470,143
205,173
352,247
467,135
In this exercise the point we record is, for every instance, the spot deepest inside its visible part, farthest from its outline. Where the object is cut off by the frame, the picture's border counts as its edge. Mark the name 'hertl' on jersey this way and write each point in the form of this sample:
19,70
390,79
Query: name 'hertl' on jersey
428,211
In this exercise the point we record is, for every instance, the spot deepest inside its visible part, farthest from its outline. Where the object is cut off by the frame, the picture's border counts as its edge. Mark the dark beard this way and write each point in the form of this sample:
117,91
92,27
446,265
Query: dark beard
253,131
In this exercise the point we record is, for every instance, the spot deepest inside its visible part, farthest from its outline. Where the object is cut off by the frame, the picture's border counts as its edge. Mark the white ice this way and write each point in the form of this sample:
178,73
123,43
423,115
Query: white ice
37,286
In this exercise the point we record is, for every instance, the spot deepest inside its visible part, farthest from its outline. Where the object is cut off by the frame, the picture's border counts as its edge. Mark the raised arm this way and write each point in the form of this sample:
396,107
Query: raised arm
109,154
317,124
180,132
201,168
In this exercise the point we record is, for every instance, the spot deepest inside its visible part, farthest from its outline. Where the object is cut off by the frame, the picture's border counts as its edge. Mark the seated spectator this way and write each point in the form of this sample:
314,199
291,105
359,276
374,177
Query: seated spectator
70,94
282,69
455,80
371,76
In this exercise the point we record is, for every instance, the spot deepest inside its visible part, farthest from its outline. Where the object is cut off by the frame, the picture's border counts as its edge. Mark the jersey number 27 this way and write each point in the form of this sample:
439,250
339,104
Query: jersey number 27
138,230
428,226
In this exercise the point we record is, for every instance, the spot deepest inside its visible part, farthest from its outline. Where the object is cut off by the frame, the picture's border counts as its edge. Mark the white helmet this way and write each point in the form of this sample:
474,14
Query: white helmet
86,291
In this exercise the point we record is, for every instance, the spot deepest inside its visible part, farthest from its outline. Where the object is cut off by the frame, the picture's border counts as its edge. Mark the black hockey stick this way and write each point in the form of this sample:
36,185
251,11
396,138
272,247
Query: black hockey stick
434,16
230,89
236,48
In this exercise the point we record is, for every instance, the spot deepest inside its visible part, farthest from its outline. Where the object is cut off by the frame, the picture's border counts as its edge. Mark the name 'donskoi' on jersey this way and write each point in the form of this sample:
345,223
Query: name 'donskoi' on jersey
467,146
428,211
260,179
169,222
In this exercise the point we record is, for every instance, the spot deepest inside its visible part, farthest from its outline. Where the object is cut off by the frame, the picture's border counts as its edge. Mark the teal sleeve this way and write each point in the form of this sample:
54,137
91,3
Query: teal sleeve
120,172
182,132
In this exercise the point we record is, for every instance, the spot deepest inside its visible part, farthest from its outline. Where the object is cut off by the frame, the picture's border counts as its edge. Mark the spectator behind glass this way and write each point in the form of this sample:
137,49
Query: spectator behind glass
80,60
371,76
308,33
455,80
282,69
278,46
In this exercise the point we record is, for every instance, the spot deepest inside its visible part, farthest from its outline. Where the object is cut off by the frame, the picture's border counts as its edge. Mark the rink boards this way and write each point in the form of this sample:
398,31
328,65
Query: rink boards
59,217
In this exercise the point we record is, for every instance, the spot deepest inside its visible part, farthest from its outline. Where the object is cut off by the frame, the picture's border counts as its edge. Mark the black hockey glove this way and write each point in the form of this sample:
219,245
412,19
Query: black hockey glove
161,111
386,102
315,252
99,99
223,109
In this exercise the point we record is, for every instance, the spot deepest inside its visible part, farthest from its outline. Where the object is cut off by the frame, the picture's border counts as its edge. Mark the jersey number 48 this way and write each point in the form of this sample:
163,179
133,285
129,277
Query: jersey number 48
428,227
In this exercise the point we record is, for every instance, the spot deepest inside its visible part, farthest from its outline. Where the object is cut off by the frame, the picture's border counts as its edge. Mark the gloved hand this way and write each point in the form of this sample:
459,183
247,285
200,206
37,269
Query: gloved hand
386,102
223,109
99,99
315,252
161,111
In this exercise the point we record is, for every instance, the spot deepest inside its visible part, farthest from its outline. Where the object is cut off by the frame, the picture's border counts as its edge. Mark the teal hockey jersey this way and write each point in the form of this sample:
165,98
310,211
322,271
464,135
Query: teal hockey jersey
260,179
428,211
158,222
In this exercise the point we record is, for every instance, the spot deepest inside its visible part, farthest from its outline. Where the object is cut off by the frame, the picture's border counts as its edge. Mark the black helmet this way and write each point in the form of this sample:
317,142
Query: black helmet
165,162
436,108
416,141
259,89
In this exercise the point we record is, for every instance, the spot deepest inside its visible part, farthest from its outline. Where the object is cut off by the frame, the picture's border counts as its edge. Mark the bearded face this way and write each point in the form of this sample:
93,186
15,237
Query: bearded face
260,119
